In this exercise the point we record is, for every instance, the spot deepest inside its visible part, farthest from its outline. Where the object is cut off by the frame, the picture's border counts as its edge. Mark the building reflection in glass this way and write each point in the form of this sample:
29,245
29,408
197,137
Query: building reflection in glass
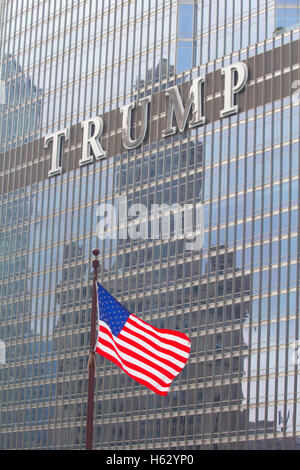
20,106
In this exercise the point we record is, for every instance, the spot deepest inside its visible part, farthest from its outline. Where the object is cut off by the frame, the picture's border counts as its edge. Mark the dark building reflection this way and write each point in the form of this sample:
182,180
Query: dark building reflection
20,105
227,419
161,71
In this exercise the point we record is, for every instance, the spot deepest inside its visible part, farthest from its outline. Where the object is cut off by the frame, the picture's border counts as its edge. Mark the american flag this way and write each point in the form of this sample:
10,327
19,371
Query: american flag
151,356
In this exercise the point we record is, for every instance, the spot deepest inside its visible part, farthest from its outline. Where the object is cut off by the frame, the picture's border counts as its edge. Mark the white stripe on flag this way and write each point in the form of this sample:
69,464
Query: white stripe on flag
147,356
152,349
159,343
134,361
167,336
132,371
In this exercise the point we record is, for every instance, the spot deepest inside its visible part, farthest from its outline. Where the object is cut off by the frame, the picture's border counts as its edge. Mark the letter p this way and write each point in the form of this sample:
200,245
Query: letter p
240,71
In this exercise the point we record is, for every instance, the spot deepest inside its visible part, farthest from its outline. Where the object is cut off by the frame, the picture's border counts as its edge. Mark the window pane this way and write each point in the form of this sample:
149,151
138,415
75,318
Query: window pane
184,55
185,20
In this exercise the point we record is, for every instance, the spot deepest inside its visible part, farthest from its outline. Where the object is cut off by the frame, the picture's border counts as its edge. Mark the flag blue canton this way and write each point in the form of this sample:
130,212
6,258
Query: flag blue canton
111,311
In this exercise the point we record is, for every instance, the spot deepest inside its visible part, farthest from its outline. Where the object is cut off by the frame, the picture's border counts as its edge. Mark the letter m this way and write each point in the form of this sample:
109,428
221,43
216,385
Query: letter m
175,107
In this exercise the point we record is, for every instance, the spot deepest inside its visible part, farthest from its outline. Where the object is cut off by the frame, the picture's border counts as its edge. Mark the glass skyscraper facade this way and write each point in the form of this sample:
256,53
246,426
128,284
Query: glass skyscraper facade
288,13
237,297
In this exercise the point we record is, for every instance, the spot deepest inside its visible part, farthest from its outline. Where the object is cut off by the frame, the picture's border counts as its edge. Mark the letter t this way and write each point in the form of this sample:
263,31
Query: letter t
57,137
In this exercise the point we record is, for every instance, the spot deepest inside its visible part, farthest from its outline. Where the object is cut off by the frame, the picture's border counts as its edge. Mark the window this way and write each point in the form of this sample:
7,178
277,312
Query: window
185,20
185,32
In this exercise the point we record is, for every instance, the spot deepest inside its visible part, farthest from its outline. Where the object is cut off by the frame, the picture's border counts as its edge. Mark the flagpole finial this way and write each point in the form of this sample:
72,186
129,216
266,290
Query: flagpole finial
95,261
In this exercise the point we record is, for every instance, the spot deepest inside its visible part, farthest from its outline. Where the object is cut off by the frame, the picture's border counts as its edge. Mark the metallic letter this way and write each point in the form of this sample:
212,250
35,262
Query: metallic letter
175,106
128,142
56,150
91,141
230,89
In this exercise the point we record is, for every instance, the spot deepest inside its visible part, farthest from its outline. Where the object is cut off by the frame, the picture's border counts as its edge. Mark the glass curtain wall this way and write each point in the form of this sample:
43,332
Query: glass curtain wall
237,297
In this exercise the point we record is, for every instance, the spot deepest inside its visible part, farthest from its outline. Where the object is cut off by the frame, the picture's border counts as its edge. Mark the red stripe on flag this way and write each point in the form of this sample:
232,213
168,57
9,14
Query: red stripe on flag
134,366
141,358
161,330
167,341
137,344
137,379
164,350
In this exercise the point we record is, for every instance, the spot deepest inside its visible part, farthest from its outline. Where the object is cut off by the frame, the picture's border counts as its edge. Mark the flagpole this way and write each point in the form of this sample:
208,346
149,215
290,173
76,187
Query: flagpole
91,362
